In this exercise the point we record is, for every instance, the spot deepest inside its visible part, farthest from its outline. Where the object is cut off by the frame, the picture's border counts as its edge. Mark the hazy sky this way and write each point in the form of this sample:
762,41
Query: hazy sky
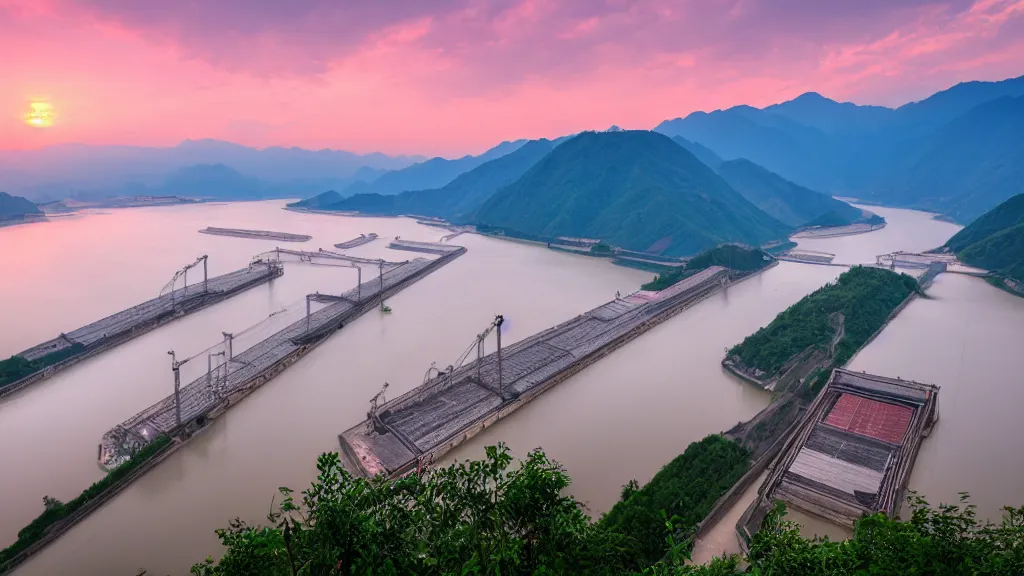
456,76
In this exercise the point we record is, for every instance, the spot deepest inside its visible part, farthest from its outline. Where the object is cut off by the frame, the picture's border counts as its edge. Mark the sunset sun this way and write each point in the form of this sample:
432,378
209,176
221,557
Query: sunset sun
40,115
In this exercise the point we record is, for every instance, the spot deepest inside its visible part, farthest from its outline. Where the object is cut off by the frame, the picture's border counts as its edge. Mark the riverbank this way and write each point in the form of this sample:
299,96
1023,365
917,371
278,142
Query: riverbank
61,517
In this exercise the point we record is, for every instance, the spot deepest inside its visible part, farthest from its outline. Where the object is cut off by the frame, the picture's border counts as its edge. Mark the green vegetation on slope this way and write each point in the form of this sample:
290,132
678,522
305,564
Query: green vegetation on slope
55,511
488,517
685,490
864,296
461,196
731,256
995,241
783,200
15,368
634,189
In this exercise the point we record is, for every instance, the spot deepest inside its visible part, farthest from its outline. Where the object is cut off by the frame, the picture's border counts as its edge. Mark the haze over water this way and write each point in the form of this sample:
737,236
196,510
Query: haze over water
622,418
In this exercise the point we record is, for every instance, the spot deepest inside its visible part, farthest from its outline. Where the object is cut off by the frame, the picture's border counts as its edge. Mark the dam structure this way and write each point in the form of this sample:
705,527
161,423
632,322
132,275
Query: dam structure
235,376
452,405
853,452
174,302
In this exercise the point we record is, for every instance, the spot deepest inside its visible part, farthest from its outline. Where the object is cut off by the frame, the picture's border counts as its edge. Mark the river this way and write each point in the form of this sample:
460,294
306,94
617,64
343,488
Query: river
622,418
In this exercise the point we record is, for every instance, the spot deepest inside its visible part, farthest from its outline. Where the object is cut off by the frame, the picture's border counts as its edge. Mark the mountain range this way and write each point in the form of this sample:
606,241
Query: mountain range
634,189
995,241
458,199
78,170
433,173
958,152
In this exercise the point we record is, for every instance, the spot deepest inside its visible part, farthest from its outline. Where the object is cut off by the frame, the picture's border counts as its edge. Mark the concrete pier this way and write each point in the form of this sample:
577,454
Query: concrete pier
207,397
137,320
357,241
419,427
257,234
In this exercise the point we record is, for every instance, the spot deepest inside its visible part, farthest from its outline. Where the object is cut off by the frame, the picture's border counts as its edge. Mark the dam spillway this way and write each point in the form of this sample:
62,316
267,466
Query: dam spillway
419,427
215,391
123,326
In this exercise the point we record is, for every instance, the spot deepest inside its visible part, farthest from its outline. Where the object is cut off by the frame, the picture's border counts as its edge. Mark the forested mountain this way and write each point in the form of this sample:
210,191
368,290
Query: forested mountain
321,201
15,207
635,189
967,167
461,196
433,173
703,153
783,200
995,241
957,152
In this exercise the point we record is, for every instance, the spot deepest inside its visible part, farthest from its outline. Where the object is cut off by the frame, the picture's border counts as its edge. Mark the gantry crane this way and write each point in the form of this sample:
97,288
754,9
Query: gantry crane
478,344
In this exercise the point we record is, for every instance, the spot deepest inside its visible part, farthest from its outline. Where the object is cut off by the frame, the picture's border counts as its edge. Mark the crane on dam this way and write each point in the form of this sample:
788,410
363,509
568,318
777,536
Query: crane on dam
478,344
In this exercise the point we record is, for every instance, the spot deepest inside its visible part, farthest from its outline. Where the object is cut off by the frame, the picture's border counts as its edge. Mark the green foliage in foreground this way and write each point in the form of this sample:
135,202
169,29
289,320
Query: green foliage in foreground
685,490
481,517
55,510
487,517
948,541
865,297
15,368
731,256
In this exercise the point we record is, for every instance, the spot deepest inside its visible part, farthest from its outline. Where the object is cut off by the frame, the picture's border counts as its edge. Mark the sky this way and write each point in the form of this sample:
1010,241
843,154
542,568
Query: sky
449,77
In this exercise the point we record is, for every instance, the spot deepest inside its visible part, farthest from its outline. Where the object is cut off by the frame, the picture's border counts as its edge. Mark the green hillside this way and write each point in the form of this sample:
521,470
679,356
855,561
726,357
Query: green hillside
785,201
461,196
634,189
995,241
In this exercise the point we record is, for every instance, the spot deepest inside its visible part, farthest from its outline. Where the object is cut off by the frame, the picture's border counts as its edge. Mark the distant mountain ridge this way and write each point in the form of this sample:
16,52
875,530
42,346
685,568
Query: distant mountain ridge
433,173
886,155
460,197
72,169
781,199
634,189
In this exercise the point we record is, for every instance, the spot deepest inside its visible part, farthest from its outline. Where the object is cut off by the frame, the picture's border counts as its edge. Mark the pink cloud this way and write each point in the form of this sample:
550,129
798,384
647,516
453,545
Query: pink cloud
457,76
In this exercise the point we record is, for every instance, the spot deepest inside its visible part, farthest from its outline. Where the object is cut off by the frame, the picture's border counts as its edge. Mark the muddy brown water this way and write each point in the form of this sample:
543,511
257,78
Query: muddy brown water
620,419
